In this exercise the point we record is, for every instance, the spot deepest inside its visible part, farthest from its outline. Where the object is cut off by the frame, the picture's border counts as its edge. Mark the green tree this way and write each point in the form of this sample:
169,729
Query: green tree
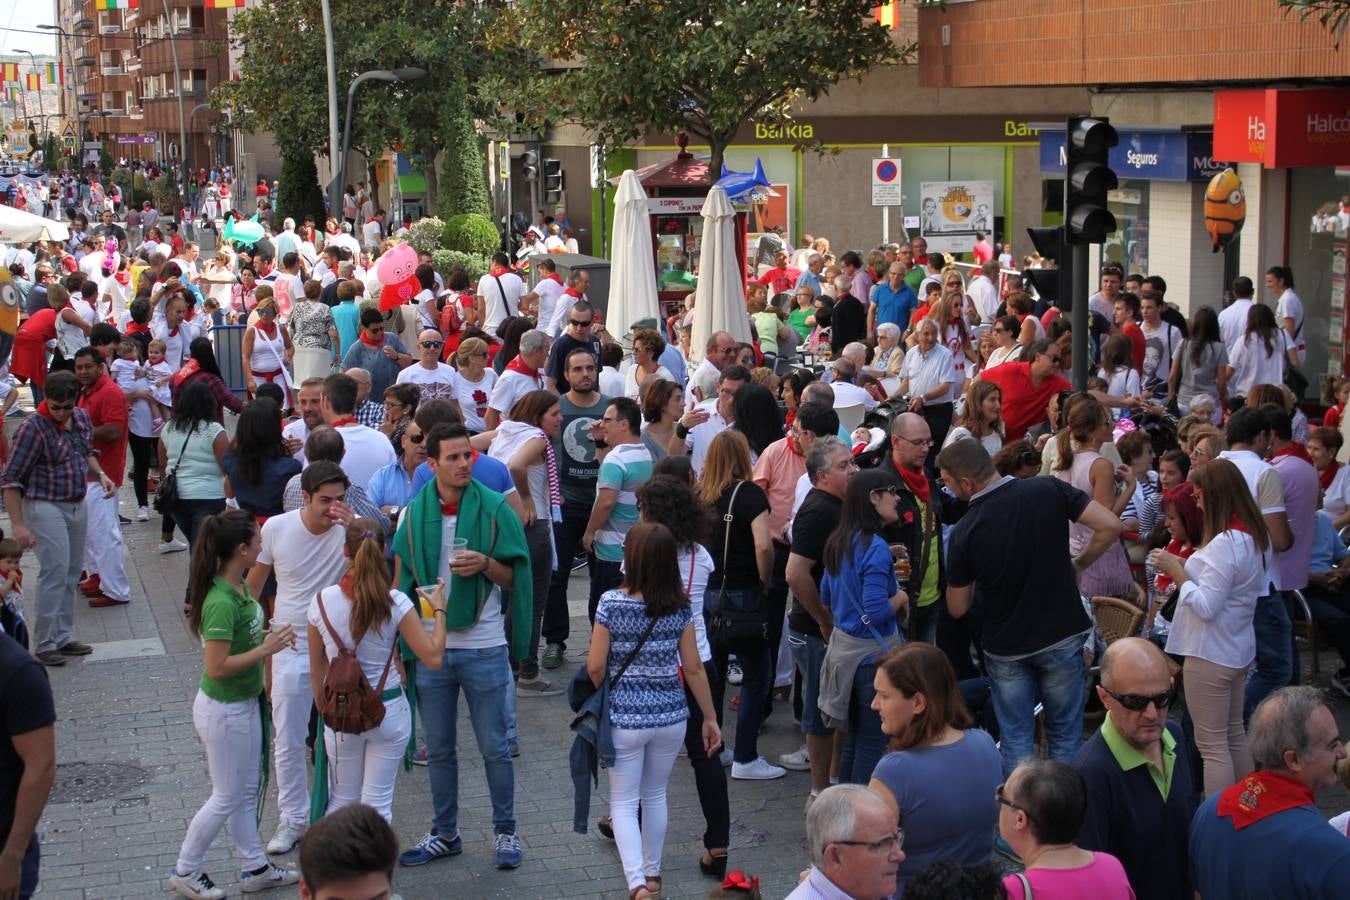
1333,14
702,66
463,183
298,193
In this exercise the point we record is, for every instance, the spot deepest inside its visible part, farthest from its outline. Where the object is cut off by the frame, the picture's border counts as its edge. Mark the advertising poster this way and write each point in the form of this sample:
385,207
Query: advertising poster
950,213
763,213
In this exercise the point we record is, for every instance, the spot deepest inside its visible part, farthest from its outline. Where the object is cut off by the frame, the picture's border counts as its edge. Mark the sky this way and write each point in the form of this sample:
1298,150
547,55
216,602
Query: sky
27,15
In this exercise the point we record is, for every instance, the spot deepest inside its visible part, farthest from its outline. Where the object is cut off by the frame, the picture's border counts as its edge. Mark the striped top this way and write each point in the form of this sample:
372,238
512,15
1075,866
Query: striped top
625,469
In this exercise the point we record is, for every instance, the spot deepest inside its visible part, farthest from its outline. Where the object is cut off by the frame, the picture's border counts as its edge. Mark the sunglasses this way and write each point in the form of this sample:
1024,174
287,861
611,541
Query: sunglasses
414,438
427,345
576,324
888,489
1140,702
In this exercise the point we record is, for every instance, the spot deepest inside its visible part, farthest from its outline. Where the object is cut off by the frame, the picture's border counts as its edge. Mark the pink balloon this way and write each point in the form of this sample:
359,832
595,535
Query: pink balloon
398,264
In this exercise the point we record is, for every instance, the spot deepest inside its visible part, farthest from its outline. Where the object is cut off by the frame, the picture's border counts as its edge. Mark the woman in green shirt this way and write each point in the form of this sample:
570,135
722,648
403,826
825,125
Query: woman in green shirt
226,712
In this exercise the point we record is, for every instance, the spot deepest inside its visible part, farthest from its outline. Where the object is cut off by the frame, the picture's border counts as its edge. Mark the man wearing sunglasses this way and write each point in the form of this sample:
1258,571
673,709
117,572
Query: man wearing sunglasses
1141,797
579,334
433,377
1027,387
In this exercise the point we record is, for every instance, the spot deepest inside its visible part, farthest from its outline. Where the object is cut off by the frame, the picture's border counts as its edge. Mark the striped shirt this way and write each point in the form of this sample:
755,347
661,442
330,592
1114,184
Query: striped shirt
625,469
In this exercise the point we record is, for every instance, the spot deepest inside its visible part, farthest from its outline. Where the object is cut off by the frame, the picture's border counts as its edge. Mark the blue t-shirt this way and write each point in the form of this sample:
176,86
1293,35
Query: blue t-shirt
649,695
347,318
947,797
488,472
866,580
1327,549
894,306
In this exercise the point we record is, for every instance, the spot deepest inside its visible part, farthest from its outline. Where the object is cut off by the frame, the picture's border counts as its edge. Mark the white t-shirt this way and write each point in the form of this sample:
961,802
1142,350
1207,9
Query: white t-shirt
630,385
610,382
700,437
370,234
473,398
365,452
548,291
1252,366
435,383
488,630
1291,307
497,306
176,345
373,649
72,338
304,563
510,387
117,308
702,569
1233,323
300,431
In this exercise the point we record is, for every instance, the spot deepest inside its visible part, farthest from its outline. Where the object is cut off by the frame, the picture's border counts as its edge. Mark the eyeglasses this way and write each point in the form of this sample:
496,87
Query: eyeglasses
267,312
59,407
882,846
888,489
393,404
1004,801
574,323
1140,702
427,345
414,438
925,442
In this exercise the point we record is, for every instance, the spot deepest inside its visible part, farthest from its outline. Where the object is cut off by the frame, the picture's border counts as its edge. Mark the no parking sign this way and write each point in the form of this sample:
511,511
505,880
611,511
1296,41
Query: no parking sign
886,189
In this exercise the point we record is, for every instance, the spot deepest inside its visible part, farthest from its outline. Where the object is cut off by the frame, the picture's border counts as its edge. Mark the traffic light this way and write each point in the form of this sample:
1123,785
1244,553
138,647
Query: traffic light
1050,285
1087,180
553,181
529,165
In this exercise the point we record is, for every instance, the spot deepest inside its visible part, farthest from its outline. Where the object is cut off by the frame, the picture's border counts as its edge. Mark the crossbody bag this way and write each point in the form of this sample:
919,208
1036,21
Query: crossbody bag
733,629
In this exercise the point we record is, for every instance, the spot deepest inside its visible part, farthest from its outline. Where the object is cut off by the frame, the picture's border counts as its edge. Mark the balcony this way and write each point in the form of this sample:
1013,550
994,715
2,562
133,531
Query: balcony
85,59
109,71
85,24
133,64
110,29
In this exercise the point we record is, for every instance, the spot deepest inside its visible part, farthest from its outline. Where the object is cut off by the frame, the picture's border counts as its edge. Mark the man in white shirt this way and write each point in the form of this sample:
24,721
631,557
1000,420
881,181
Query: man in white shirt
697,439
367,450
1233,319
983,290
287,241
304,548
846,393
719,353
91,264
1288,308
927,377
1104,301
372,231
345,240
520,376
176,333
544,297
309,400
187,261
499,293
434,377
577,284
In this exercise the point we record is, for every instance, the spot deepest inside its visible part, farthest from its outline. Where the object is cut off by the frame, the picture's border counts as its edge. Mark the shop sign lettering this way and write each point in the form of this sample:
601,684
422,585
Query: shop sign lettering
795,132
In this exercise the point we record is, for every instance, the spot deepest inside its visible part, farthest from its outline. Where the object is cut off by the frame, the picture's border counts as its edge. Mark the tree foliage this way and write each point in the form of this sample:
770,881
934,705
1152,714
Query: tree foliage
463,181
1333,14
703,66
298,191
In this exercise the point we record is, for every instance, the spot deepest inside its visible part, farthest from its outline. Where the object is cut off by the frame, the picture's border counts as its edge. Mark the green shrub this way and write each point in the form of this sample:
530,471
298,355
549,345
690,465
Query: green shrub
472,233
164,192
140,188
299,194
445,260
426,234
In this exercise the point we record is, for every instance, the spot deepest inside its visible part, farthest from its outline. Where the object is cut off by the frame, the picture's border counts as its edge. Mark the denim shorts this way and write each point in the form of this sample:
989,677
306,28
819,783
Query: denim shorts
808,652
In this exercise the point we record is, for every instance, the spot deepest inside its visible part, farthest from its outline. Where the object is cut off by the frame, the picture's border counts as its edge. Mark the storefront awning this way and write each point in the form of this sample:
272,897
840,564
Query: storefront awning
1151,154
1282,128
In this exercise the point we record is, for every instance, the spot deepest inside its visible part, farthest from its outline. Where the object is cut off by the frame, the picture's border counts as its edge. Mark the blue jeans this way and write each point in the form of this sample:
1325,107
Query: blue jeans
864,742
485,677
756,677
808,652
1274,663
1056,677
923,622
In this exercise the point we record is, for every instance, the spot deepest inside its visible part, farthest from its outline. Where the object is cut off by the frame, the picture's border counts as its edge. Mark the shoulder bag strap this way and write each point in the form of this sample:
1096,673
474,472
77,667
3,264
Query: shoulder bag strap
1026,885
384,676
505,304
323,613
632,656
726,540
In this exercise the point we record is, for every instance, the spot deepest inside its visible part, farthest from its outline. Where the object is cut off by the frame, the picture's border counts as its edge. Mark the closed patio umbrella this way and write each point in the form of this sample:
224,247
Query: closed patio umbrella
719,301
632,284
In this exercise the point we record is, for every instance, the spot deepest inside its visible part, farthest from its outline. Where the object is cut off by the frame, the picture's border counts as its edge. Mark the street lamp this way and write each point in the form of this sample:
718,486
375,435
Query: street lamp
409,73
41,109
79,126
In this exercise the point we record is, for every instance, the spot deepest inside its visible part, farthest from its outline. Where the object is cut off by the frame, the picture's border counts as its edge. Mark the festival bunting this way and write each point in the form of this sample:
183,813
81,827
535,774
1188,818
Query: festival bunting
15,94
9,72
56,73
33,82
116,4
887,14
224,4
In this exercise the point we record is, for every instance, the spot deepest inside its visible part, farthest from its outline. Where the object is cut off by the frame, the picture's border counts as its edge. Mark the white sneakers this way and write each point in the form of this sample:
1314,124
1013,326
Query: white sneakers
172,547
143,514
797,762
758,770
285,839
197,886
266,878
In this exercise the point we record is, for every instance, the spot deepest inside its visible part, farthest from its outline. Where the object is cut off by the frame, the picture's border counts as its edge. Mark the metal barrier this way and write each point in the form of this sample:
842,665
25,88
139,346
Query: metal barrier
229,344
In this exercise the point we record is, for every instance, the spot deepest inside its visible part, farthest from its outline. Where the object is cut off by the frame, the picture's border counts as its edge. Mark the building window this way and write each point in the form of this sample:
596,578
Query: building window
1318,228
1128,245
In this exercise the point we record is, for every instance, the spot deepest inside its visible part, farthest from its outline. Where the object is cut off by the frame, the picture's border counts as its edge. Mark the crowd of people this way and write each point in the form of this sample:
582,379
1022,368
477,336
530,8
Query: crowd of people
396,519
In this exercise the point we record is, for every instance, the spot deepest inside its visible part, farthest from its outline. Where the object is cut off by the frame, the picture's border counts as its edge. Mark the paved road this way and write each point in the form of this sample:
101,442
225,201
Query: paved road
131,774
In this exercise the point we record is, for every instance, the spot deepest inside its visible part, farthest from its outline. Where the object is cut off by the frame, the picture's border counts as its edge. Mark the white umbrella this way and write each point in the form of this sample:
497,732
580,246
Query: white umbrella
20,227
632,277
719,301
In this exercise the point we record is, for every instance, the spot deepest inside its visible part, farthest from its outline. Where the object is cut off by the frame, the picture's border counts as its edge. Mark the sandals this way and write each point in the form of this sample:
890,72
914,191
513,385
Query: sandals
645,891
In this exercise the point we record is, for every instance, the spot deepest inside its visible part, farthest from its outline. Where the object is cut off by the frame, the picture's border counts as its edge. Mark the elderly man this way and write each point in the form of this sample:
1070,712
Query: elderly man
719,353
983,290
892,301
520,376
1264,836
1141,794
369,410
308,397
846,392
927,378
699,427
810,276
782,278
855,845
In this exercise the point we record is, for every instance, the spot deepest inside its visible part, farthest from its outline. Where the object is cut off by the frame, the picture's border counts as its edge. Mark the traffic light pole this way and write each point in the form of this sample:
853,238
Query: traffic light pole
1079,316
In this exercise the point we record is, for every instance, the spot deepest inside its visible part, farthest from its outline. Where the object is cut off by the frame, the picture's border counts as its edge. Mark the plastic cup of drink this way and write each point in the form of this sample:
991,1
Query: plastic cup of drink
423,590
901,555
274,625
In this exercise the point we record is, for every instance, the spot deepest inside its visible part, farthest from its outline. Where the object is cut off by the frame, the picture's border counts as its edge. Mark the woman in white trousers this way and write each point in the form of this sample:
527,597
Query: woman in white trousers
363,614
226,712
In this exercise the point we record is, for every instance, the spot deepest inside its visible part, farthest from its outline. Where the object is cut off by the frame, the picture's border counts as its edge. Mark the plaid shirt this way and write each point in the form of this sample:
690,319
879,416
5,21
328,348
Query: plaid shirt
371,413
50,463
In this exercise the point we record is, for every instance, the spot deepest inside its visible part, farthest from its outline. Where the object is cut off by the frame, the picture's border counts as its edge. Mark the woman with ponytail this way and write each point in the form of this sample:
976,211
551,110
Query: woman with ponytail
365,615
226,712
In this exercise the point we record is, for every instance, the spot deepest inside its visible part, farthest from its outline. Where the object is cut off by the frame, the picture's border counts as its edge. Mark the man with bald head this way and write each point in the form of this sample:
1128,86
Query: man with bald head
435,379
1141,793
719,353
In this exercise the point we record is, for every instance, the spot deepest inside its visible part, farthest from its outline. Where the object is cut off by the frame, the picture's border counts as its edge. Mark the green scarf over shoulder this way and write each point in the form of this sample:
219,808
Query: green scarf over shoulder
491,527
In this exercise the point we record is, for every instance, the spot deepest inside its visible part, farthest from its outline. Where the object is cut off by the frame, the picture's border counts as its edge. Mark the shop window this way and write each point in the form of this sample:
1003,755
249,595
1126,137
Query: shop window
1128,245
1318,229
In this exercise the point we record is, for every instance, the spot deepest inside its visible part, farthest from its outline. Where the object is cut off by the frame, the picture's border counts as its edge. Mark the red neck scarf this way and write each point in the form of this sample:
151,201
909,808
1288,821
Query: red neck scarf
497,271
188,369
1294,449
916,481
343,420
47,414
552,276
449,509
1328,475
572,292
123,278
269,330
519,365
1261,795
369,341
792,445
137,328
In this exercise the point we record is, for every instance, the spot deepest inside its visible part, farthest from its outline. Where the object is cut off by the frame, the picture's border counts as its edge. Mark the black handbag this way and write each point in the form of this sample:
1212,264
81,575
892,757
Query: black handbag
733,629
166,494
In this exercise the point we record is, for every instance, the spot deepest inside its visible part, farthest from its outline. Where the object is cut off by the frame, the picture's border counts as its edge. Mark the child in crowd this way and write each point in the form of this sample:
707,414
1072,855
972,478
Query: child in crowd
1339,390
160,374
1140,514
11,590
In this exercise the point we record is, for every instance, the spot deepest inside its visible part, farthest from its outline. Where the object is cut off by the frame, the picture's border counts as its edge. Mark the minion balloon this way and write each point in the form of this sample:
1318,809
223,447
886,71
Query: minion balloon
1225,208
9,315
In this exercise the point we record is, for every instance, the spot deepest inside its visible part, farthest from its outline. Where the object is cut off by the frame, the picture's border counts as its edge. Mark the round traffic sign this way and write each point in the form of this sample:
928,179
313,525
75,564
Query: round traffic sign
887,170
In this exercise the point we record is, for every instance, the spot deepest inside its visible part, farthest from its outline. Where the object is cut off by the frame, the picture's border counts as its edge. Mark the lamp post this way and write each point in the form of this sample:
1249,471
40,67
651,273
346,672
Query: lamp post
331,74
410,73
33,58
79,127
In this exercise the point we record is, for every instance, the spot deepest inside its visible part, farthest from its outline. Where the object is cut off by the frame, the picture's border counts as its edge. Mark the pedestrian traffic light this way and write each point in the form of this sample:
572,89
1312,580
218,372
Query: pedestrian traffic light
1046,283
553,181
1087,180
529,165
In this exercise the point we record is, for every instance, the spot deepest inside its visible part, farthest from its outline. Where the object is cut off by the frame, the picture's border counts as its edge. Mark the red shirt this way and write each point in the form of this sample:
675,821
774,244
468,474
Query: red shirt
1136,335
983,253
780,280
1023,403
107,405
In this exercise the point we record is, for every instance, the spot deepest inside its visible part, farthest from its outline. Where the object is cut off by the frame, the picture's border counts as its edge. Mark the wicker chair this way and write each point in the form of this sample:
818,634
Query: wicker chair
1116,618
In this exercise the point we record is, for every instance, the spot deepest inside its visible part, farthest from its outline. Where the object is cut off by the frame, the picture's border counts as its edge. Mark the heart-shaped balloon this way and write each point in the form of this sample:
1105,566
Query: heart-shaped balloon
392,295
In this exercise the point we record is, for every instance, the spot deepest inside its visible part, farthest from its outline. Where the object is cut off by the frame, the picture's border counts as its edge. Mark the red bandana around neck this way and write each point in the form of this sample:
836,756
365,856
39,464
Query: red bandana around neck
369,341
450,509
917,482
519,365
792,445
552,276
343,420
1261,795
1328,475
47,414
137,328
123,278
1294,449
497,270
572,292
